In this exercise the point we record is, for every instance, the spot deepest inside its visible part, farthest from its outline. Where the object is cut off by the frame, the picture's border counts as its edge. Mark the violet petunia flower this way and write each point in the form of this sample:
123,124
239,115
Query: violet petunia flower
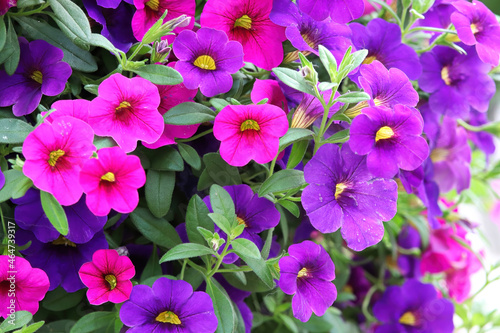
29,215
438,16
307,274
409,265
391,139
477,25
456,82
343,194
41,71
340,11
383,42
413,307
207,59
483,140
169,306
247,21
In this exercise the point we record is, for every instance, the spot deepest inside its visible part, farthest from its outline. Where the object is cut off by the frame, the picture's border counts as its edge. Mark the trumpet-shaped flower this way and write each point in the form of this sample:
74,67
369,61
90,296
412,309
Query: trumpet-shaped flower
340,11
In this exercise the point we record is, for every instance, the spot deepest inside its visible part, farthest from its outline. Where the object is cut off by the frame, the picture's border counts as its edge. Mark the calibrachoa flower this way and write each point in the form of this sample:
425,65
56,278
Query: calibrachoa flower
438,16
207,59
29,215
409,265
391,139
271,90
413,308
29,285
307,274
108,277
482,140
5,5
383,42
169,306
310,109
127,110
111,181
343,194
249,132
456,82
40,71
78,108
247,22
150,11
340,11
477,25
54,154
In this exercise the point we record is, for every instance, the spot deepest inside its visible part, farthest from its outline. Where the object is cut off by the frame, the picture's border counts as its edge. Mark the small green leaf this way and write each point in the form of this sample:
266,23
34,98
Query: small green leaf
55,212
186,250
14,130
353,97
282,180
71,19
222,222
159,189
21,318
290,206
190,155
222,202
294,135
153,267
157,230
329,61
159,74
267,245
219,103
16,185
197,216
422,6
297,154
294,79
246,248
28,3
94,322
223,307
219,171
3,33
11,52
340,136
60,300
189,113
165,159
31,328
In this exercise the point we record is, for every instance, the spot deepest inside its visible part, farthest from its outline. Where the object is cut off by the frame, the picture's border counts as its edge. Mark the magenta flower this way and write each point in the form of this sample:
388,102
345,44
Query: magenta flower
54,155
29,284
271,90
78,108
247,22
340,11
40,71
5,5
150,11
207,59
108,277
111,181
127,110
2,179
249,132
477,25
307,274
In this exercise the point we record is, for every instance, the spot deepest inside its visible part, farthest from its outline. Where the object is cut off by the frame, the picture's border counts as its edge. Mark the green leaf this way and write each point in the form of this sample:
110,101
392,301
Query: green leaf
94,322
159,188
11,52
186,250
21,318
157,230
189,113
55,212
329,61
152,268
294,135
92,88
190,155
159,74
222,202
341,136
58,326
223,307
16,185
197,216
72,20
297,154
282,180
289,323
76,57
353,97
294,79
290,206
267,245
260,268
422,6
101,41
28,3
219,171
165,159
246,248
14,130
222,222
3,33
60,300
219,103
32,328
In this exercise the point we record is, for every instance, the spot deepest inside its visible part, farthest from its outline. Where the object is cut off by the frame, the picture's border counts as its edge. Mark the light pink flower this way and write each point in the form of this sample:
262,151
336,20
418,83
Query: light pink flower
111,181
108,277
54,154
249,132
269,89
30,286
127,110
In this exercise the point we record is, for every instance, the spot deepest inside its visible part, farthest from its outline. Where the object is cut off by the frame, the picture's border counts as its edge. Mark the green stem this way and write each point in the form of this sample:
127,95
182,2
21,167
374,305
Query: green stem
388,8
219,260
197,267
229,270
31,12
448,31
197,136
183,269
273,165
3,223
366,303
136,51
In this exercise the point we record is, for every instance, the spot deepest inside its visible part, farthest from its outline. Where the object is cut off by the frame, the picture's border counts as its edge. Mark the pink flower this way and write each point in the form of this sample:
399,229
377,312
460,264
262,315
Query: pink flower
108,277
54,154
269,89
30,285
111,181
150,11
127,111
247,21
249,132
78,108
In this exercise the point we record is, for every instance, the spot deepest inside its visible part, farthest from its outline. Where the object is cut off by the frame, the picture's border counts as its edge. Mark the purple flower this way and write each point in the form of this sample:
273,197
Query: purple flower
477,25
409,265
413,308
169,306
306,34
456,82
383,42
40,71
340,11
310,109
391,139
60,259
438,15
343,194
307,274
207,59
483,140
83,225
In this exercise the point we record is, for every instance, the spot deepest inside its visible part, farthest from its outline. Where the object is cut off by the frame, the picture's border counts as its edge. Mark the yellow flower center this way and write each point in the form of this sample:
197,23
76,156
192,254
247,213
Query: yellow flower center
244,22
61,240
109,177
369,60
303,273
408,318
339,188
445,75
111,279
474,28
54,156
308,40
356,110
153,4
37,76
168,317
383,133
205,62
249,124
123,105
439,155
241,221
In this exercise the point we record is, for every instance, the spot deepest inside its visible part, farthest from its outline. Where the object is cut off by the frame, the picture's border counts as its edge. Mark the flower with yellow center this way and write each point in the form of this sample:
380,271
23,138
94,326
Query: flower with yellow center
249,124
439,155
303,273
123,105
369,60
244,22
241,221
54,156
339,188
384,133
109,177
408,318
37,76
61,240
168,317
205,62
153,4
111,280
445,75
